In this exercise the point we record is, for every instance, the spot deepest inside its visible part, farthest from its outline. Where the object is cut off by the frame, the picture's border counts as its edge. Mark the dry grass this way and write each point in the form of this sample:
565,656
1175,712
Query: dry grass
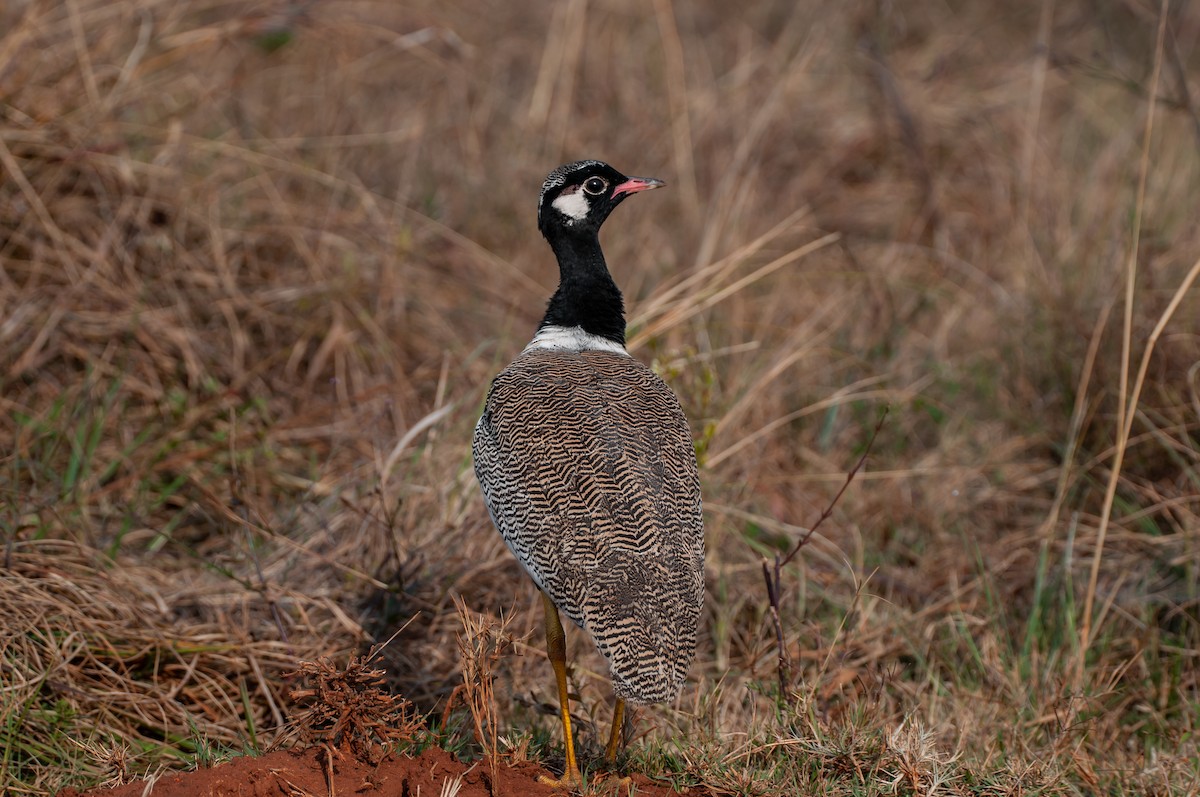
246,251
101,658
482,644
348,708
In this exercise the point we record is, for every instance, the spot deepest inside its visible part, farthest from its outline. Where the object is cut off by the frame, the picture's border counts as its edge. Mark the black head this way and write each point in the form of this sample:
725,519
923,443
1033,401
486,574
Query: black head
577,197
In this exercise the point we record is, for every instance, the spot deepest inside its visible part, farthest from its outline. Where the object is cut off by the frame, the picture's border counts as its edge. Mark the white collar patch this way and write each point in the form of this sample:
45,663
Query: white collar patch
572,339
573,205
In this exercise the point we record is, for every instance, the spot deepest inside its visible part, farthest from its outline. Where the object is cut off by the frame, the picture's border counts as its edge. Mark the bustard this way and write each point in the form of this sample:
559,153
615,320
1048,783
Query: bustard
588,471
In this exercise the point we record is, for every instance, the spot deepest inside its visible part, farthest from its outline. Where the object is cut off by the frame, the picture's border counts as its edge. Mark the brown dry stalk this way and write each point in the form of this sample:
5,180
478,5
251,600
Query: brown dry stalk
773,574
1128,404
676,80
697,305
482,643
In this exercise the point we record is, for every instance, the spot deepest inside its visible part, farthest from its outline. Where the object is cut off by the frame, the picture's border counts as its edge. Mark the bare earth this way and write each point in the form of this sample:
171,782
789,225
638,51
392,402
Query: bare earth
308,773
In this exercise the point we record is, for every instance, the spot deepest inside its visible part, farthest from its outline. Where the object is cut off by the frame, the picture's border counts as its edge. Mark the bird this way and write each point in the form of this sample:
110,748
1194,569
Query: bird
588,469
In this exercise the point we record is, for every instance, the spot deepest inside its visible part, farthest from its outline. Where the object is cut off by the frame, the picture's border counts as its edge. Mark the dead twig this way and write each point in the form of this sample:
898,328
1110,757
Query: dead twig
772,573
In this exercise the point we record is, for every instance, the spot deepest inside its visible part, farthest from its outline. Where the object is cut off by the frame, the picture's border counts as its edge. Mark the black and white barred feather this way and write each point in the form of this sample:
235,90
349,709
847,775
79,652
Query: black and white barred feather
588,470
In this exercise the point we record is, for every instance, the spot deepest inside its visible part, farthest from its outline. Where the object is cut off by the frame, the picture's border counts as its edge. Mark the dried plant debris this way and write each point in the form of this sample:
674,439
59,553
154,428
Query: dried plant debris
101,660
112,760
482,644
349,708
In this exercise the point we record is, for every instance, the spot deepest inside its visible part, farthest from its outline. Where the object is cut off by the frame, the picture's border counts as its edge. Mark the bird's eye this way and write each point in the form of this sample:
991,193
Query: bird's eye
595,185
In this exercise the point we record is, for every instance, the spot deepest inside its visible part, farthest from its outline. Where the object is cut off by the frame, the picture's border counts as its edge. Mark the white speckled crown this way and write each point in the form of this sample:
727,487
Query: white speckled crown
559,176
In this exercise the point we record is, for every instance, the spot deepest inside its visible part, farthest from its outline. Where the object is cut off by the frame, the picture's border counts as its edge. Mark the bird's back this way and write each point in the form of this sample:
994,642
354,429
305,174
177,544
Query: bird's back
588,470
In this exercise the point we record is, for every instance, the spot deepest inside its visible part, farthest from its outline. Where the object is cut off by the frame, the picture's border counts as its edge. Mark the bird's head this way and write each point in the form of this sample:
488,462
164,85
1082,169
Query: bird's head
577,197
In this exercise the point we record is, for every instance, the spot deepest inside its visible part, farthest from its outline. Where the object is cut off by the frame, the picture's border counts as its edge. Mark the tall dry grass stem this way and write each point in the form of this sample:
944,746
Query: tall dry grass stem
1127,404
483,642
682,150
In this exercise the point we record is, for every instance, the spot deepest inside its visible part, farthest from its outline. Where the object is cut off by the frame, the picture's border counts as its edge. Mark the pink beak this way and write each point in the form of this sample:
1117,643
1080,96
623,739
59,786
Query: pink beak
635,184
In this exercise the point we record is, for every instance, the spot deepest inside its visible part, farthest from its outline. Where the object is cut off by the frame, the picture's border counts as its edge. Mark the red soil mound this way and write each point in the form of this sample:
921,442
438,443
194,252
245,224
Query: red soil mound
308,773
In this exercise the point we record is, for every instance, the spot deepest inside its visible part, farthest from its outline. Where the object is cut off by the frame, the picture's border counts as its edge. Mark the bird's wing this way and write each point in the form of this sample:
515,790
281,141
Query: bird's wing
588,470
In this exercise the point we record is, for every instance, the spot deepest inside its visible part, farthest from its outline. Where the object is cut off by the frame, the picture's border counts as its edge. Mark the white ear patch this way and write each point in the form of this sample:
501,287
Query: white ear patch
573,205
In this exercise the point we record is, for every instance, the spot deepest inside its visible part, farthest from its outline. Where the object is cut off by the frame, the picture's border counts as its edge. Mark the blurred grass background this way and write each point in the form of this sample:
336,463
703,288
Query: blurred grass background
259,261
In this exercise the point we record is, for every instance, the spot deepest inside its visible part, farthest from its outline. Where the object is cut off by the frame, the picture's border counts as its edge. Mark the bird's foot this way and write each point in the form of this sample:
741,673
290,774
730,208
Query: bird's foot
571,779
614,783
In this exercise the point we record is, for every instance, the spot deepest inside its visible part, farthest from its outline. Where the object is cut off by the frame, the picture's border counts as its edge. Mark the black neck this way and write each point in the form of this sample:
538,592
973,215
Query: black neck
586,297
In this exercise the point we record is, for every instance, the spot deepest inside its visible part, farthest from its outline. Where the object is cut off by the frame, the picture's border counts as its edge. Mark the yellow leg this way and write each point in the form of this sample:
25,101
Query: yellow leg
614,738
556,649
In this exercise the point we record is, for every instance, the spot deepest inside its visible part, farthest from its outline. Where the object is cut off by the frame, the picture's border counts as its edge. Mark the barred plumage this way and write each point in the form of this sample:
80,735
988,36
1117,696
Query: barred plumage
588,470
